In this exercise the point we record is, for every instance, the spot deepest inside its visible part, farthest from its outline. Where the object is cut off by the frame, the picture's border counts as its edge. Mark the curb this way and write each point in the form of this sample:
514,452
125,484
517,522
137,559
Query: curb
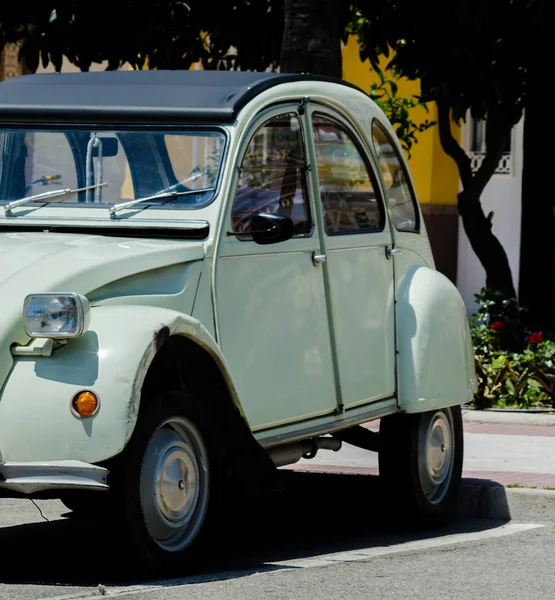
508,418
489,500
478,498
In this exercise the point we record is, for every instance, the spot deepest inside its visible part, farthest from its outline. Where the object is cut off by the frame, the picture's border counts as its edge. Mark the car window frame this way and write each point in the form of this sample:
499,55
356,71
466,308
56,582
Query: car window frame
368,159
408,178
254,126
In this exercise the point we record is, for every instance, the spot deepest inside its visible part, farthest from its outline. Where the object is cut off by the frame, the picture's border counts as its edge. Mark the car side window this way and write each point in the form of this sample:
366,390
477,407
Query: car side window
400,197
347,184
272,177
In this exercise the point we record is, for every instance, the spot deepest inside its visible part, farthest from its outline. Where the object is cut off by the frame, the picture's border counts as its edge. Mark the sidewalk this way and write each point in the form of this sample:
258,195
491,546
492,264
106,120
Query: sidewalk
510,449
516,450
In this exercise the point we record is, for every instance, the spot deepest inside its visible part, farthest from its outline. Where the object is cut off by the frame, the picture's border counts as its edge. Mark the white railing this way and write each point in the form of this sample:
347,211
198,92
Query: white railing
505,166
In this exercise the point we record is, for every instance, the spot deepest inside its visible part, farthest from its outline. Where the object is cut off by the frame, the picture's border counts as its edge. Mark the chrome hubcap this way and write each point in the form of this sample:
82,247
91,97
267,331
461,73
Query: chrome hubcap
176,479
436,456
174,484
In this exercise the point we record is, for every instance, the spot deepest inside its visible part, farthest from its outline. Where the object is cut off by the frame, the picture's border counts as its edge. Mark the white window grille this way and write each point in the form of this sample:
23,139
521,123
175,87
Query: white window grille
477,149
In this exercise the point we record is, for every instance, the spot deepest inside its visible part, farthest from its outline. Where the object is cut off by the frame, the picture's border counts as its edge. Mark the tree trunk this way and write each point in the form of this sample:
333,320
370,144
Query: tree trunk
477,226
311,38
537,249
485,244
10,63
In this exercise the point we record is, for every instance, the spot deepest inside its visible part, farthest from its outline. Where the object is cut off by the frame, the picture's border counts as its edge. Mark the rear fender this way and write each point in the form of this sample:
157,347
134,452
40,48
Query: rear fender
435,354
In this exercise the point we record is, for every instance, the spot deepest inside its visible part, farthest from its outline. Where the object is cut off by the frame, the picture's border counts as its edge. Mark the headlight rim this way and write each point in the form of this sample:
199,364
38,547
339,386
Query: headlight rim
83,315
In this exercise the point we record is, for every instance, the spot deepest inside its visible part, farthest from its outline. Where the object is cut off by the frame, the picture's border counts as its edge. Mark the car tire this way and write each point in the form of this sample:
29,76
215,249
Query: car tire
170,483
420,463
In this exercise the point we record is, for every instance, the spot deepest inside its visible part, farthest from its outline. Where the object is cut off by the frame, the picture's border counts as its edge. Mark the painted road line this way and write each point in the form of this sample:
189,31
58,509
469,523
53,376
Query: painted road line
368,553
311,562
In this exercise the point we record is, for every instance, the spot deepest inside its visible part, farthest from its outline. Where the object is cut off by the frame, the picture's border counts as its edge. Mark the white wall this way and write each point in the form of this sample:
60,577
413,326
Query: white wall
502,195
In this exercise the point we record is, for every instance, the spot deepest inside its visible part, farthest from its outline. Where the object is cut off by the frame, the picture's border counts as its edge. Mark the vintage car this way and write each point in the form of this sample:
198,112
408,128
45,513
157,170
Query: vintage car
209,275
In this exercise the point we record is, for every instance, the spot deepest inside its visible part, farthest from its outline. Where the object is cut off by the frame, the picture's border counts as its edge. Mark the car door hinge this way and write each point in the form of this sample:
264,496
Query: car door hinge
302,104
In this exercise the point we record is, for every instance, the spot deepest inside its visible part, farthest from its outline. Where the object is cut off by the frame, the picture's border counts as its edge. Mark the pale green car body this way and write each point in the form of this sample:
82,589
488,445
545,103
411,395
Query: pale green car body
305,348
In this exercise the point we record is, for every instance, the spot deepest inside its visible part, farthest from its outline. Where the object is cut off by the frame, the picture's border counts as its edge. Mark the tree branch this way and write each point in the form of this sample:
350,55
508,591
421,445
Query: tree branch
449,144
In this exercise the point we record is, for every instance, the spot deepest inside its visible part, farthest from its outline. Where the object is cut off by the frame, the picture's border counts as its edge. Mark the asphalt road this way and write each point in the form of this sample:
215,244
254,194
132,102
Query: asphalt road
321,538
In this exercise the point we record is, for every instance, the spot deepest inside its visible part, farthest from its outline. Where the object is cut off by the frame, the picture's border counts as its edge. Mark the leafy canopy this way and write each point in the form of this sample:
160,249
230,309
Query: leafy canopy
168,34
473,51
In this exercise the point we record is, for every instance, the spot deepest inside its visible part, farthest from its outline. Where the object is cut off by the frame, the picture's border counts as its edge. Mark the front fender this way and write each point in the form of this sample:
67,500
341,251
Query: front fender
435,355
111,359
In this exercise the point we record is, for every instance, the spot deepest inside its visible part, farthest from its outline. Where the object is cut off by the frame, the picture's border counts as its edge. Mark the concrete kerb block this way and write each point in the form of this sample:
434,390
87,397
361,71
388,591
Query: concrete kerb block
470,499
509,417
494,501
484,501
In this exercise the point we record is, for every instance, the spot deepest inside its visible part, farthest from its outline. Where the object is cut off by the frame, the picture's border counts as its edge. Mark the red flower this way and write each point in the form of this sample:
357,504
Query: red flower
536,337
497,326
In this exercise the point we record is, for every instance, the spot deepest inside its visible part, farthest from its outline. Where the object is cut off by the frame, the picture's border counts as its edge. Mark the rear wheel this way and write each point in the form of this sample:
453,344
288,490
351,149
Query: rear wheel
420,461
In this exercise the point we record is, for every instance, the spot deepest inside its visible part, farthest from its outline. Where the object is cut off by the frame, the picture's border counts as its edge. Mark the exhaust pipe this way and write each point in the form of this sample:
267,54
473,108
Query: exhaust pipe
292,453
360,437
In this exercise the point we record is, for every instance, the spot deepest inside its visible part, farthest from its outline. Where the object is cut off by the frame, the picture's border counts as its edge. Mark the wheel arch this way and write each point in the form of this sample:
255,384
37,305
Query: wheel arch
181,355
182,363
188,359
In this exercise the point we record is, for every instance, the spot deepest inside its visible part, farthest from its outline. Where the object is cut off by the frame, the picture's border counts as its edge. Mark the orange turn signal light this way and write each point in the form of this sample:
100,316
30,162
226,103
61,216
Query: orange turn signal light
85,404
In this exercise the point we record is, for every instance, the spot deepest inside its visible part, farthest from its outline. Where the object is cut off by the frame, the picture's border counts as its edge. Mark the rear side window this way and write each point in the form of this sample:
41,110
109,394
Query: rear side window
347,185
400,197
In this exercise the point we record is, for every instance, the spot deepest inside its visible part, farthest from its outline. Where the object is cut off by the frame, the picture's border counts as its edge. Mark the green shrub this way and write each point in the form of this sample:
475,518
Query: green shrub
515,367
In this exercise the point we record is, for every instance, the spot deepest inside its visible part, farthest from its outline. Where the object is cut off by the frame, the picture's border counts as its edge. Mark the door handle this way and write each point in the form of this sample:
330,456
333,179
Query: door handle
392,252
318,258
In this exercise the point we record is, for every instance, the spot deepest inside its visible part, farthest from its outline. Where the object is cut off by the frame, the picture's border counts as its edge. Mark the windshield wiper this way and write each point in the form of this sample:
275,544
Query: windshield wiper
167,194
53,194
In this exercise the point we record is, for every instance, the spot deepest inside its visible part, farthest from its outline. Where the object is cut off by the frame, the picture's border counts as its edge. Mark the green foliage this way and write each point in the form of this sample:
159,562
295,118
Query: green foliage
497,323
396,108
165,34
475,53
515,367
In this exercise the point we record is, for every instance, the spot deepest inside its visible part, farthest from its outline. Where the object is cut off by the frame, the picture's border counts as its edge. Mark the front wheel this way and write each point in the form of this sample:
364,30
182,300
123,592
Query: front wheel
420,461
171,479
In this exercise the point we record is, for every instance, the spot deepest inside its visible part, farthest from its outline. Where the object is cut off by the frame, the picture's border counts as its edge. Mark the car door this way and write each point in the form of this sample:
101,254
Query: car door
361,278
270,299
410,238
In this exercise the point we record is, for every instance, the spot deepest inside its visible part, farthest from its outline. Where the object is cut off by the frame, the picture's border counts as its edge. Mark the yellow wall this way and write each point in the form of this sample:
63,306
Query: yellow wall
435,174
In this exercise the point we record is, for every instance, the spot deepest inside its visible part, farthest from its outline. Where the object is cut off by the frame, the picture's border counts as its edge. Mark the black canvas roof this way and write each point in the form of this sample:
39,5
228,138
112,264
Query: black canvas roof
137,96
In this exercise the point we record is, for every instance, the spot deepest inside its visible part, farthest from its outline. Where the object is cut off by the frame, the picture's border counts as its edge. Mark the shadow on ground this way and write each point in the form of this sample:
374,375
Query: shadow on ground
314,514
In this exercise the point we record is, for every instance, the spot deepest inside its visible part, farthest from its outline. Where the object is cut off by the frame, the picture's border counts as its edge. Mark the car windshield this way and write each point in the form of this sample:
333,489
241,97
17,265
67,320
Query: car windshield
83,167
